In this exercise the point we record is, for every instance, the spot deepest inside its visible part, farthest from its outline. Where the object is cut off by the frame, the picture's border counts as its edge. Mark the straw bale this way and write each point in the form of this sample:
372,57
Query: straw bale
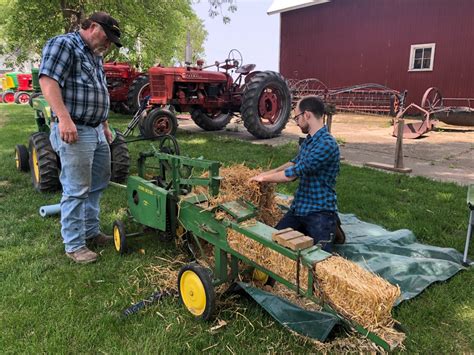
355,292
266,257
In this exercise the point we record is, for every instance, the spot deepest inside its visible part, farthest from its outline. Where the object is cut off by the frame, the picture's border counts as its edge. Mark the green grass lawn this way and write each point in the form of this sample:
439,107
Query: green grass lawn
49,305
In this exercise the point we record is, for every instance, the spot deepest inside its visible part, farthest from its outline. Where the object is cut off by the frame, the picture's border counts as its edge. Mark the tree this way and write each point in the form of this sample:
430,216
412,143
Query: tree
152,30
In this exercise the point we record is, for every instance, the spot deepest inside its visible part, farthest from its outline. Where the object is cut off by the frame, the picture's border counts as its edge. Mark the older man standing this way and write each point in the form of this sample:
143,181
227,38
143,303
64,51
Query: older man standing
313,211
73,82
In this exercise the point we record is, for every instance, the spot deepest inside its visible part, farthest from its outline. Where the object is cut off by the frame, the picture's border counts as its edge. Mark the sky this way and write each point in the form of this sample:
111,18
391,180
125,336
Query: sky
254,33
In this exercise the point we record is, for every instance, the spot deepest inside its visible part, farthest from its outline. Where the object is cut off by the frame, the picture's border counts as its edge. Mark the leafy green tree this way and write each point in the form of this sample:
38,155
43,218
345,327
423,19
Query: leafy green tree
153,31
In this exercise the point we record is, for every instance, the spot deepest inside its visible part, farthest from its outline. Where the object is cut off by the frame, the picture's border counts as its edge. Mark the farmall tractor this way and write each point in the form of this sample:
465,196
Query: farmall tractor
261,97
127,87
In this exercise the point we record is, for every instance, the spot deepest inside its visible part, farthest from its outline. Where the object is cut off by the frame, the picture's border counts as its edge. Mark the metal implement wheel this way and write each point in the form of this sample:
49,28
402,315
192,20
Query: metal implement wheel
139,89
22,159
44,163
120,158
266,104
211,121
22,97
432,99
169,145
120,237
159,122
196,290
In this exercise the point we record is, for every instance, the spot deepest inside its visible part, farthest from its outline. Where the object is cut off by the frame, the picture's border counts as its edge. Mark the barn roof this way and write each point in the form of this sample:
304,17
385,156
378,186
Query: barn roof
279,6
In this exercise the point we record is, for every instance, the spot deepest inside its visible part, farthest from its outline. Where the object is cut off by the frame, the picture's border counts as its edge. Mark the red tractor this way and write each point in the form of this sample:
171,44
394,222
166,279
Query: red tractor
127,87
212,97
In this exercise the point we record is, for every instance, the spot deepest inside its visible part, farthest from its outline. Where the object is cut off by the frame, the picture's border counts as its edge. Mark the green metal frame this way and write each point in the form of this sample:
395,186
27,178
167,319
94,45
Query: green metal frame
193,215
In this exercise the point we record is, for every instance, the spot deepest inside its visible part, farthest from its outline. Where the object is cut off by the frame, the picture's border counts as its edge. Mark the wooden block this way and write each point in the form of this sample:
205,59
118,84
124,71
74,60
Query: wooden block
284,238
281,231
300,243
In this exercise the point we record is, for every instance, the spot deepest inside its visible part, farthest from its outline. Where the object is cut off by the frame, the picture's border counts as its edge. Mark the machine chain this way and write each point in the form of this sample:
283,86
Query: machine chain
155,297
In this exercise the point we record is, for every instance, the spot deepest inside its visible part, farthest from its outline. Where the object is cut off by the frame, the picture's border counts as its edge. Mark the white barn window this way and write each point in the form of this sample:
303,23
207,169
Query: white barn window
422,57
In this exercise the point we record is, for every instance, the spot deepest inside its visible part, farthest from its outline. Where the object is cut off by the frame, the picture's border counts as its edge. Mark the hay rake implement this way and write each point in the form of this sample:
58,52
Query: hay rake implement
162,198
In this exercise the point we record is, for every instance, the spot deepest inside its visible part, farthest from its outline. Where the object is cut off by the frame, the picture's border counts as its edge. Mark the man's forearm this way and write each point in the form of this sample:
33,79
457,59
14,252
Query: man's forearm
52,93
278,176
280,168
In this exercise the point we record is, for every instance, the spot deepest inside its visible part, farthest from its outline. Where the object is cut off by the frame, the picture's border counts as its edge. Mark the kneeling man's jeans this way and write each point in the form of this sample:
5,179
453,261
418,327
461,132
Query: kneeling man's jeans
321,226
85,173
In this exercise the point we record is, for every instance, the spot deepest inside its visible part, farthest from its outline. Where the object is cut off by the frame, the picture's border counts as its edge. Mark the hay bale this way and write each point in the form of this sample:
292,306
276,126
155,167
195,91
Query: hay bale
356,293
266,257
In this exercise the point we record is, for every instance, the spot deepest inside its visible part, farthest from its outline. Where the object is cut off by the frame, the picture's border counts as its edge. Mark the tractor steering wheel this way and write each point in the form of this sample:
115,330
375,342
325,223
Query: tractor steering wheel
235,58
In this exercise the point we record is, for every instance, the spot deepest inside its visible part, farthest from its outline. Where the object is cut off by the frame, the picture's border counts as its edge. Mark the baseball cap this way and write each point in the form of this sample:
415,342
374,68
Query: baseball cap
110,26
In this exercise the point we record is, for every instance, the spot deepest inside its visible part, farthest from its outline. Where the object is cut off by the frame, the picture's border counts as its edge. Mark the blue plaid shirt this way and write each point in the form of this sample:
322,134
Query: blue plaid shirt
316,165
80,74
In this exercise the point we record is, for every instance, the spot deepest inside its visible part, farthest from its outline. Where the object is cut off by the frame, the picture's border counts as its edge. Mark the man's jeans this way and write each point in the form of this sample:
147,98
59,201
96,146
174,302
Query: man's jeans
321,226
85,173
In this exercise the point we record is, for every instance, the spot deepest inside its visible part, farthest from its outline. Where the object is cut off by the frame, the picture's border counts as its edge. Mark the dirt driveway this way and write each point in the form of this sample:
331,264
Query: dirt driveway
446,154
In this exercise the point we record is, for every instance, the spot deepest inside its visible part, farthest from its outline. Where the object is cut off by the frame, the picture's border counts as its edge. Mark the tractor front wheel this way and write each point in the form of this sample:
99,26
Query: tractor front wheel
22,158
196,290
44,164
159,122
211,122
8,97
139,89
266,104
120,159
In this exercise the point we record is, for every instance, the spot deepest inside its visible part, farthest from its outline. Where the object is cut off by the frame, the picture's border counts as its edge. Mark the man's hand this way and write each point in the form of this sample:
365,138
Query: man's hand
258,178
67,131
107,132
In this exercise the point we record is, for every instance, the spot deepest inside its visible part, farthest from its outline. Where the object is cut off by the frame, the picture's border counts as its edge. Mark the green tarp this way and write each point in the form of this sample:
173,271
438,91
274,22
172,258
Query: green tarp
396,256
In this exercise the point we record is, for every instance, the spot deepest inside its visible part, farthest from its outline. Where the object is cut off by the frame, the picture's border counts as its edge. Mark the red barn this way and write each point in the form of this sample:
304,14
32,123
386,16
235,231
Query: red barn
402,44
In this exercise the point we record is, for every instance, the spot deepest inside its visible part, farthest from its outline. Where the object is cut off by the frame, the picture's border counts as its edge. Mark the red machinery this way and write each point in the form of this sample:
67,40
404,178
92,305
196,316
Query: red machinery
262,98
364,98
25,87
434,107
127,86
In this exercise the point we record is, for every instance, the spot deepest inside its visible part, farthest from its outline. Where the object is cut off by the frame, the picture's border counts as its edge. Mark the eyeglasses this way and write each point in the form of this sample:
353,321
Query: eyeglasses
297,117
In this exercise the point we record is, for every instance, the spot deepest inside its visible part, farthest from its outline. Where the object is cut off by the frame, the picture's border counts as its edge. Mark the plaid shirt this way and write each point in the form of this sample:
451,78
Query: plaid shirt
316,165
80,74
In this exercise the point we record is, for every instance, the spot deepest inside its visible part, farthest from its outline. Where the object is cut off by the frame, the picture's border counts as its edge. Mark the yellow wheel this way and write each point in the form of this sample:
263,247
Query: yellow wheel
262,278
120,241
259,276
196,290
22,158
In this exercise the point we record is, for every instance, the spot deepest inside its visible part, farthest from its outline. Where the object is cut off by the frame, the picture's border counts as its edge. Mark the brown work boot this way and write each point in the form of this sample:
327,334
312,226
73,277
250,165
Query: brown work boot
100,240
82,256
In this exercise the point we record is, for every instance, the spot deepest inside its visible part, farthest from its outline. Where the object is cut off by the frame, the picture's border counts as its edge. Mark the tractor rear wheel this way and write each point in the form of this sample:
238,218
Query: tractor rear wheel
120,159
22,97
266,104
159,122
44,163
139,89
22,158
211,122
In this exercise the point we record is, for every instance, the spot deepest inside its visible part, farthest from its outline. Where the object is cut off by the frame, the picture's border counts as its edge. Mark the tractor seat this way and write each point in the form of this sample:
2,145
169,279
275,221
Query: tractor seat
245,69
